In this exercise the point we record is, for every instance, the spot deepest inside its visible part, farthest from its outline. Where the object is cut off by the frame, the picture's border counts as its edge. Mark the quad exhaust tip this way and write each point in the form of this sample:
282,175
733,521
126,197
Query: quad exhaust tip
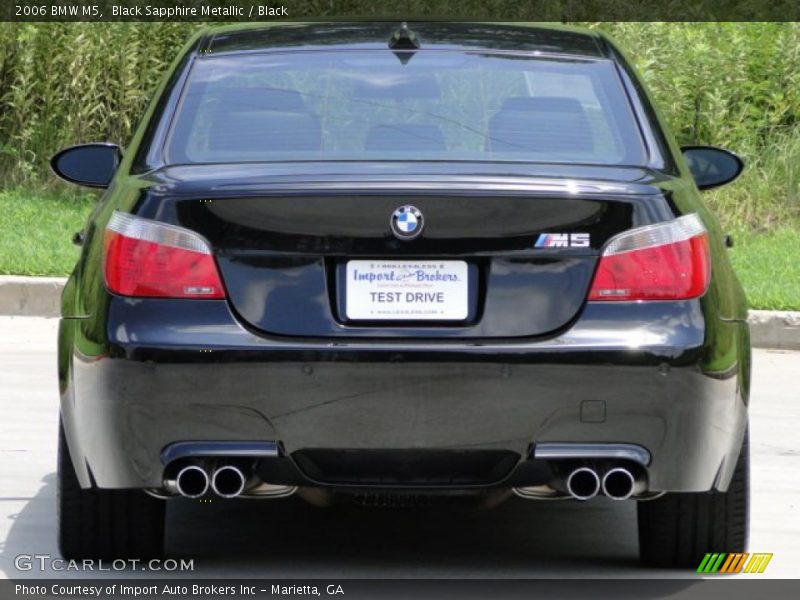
619,484
192,482
228,481
583,483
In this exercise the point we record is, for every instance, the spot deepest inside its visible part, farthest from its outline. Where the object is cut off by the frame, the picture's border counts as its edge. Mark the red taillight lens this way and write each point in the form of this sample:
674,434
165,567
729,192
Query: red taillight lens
668,261
145,258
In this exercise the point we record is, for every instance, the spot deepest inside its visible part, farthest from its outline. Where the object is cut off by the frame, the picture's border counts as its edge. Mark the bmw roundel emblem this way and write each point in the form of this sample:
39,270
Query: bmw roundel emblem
406,222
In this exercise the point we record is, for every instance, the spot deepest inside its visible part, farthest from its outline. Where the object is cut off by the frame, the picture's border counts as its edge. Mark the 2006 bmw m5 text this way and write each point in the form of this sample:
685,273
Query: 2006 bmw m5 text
389,261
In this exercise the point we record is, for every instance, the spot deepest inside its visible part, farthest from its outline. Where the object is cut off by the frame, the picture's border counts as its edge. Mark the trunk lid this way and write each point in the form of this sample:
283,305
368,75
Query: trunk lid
528,247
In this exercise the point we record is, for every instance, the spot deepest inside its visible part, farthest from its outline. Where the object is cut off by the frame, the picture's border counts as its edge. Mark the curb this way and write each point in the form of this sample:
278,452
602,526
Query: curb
31,296
778,329
41,297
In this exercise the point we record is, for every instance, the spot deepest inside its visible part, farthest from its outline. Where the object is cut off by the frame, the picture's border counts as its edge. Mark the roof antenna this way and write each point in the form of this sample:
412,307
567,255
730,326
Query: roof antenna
404,39
404,43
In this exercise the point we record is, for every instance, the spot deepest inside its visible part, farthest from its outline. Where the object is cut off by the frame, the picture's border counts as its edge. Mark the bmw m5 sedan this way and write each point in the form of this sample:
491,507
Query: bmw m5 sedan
390,261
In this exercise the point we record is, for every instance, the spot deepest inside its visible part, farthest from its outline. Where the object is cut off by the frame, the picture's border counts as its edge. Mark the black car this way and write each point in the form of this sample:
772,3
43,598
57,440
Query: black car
388,261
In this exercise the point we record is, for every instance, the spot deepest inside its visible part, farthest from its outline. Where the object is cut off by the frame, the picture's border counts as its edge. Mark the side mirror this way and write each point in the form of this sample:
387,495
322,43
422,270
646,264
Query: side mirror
712,167
90,165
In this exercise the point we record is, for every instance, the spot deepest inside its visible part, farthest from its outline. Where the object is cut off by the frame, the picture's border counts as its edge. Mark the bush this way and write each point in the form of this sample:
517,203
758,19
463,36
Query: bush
735,85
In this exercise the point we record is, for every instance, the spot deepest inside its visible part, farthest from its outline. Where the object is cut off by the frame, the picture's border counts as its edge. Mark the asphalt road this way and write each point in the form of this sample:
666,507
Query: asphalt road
286,538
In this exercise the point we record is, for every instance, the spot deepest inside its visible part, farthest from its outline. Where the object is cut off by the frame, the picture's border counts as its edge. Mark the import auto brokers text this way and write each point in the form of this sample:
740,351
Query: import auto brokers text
135,591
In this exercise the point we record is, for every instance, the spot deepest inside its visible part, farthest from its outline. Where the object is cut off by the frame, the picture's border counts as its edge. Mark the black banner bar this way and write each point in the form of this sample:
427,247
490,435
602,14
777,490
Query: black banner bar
166,11
358,589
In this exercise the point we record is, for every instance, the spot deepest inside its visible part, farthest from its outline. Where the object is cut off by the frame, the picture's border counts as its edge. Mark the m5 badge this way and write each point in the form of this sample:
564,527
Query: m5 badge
563,240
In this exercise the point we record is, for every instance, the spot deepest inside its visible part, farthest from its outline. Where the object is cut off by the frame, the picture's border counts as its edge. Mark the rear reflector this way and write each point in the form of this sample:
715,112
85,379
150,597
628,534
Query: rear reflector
145,258
667,261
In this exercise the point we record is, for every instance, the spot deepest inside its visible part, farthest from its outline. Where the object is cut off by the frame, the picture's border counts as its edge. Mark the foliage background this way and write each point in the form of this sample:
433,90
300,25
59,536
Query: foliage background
735,85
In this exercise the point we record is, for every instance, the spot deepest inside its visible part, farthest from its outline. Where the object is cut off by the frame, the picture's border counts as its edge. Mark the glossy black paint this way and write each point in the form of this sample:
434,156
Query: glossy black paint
278,363
662,387
283,256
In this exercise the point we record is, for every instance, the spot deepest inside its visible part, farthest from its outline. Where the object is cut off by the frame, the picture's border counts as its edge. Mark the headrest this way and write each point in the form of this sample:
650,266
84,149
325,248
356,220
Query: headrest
262,98
266,131
542,125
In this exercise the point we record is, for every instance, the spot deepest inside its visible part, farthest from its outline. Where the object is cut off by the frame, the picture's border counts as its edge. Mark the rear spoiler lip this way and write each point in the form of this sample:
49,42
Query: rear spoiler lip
476,186
628,180
166,183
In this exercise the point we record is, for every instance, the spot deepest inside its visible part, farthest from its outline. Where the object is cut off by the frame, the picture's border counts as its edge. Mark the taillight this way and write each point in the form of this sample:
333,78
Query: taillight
667,261
146,258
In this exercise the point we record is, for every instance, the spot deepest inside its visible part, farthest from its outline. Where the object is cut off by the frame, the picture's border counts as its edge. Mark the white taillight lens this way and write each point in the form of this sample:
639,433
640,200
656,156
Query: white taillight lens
145,258
667,261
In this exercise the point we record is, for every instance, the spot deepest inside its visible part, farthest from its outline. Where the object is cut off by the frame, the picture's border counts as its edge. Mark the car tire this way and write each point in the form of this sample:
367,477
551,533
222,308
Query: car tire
677,530
105,524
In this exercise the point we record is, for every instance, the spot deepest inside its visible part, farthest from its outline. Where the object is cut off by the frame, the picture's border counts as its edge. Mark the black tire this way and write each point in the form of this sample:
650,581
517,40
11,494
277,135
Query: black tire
105,524
677,530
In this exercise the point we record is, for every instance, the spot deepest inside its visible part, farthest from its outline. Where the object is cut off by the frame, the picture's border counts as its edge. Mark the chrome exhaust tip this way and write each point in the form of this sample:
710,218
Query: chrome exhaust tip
583,483
619,484
228,481
191,482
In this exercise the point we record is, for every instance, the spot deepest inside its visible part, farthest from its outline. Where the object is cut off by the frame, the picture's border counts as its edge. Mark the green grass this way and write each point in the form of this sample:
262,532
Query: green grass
36,232
768,265
36,239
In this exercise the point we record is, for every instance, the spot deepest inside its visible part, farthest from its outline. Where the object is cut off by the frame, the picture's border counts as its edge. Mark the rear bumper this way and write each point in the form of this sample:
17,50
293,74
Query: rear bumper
168,372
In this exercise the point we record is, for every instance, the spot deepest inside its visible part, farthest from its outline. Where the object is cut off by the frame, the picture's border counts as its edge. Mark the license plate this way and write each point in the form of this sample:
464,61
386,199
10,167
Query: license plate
407,290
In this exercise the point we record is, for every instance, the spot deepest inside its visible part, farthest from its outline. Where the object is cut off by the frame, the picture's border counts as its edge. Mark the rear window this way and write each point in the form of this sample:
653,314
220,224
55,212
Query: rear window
430,105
